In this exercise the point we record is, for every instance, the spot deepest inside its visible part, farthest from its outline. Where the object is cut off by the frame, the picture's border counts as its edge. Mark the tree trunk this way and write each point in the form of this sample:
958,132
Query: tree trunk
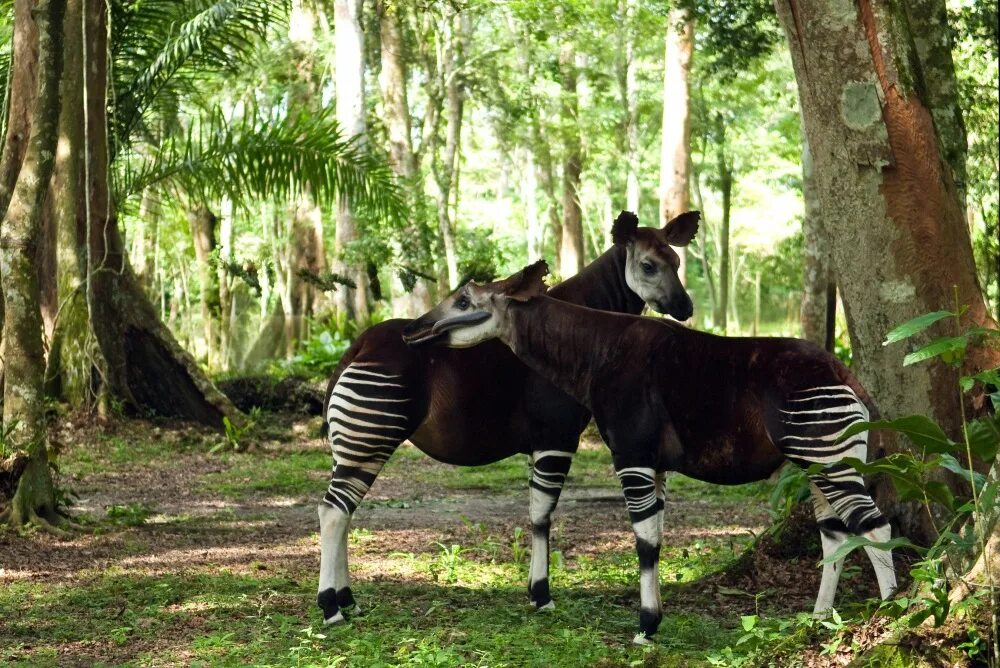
392,83
24,360
675,146
571,257
203,223
631,106
542,152
351,304
818,282
143,366
225,281
899,237
725,252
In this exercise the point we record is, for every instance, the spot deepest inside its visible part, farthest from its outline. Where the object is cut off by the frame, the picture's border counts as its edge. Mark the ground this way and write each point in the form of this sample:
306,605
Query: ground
199,555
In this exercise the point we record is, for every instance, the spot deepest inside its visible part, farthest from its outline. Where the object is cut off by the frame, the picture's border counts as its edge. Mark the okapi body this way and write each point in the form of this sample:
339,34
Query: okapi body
473,407
668,398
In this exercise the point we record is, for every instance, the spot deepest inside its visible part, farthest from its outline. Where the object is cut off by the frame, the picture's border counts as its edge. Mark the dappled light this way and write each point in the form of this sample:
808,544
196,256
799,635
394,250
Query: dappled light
521,333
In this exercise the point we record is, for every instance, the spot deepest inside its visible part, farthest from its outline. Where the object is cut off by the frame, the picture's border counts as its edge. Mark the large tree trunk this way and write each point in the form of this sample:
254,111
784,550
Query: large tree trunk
350,303
899,236
819,290
24,359
571,257
542,152
141,366
675,146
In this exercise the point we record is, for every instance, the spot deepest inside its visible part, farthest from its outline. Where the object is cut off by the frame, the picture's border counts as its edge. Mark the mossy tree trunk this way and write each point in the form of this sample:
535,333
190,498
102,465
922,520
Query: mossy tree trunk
885,161
571,257
137,361
24,360
819,289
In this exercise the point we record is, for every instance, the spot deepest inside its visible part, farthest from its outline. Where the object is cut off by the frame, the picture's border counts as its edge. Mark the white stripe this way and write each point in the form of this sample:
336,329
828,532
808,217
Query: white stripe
351,369
355,422
831,409
357,381
823,388
344,403
348,392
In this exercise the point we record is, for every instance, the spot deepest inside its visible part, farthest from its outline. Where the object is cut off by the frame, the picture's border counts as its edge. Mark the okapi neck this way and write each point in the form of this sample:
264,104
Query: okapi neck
601,285
559,341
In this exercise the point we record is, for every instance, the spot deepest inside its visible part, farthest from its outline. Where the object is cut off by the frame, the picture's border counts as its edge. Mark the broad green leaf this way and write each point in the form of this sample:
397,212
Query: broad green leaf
948,348
749,622
915,326
984,437
854,542
956,467
919,428
941,493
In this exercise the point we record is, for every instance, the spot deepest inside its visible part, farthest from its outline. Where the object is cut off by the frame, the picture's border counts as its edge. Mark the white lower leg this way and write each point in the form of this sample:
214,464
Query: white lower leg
831,572
647,533
882,561
332,552
541,507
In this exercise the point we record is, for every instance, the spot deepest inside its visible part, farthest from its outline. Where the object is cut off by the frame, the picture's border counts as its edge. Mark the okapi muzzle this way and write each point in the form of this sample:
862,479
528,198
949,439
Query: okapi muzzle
452,313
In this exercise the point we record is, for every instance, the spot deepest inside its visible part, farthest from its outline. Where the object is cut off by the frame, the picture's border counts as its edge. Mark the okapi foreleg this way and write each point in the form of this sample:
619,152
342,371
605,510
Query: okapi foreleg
640,486
368,420
548,475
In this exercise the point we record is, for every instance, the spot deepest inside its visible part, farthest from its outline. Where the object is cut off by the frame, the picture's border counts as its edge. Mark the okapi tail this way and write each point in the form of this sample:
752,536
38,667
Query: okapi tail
348,357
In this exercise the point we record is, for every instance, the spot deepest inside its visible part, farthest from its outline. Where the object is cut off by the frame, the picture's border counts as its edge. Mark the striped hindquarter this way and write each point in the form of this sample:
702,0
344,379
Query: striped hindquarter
813,422
368,419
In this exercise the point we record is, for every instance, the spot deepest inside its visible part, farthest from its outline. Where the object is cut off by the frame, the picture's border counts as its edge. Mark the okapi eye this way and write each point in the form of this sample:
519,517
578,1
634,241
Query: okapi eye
462,302
648,267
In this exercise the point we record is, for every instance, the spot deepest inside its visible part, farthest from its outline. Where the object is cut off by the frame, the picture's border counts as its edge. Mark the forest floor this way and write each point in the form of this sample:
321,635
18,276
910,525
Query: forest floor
199,555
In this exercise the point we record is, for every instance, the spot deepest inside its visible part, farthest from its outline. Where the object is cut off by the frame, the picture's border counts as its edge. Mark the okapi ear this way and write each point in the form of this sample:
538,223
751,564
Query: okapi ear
681,230
527,283
624,227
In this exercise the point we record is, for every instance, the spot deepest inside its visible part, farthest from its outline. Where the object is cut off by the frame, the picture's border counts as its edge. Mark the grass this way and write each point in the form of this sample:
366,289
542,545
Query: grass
235,585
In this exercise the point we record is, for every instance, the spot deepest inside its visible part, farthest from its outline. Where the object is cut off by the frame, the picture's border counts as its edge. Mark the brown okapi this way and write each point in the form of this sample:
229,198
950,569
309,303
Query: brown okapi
668,398
474,407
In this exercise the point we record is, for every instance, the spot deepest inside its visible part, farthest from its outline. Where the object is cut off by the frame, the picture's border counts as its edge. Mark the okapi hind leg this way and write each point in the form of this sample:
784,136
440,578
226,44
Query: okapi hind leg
368,419
852,510
641,488
548,475
832,534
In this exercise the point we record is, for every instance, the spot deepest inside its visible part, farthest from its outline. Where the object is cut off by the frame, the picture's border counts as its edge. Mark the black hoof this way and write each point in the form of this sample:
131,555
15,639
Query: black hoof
649,621
327,602
345,599
538,593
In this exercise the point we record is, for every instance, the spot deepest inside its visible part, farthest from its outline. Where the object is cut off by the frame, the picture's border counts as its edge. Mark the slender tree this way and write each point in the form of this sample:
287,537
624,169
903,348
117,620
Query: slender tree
571,256
675,145
819,293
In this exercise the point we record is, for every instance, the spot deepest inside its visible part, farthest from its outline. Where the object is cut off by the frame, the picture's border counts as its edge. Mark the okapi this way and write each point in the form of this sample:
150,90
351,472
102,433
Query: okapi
478,406
668,398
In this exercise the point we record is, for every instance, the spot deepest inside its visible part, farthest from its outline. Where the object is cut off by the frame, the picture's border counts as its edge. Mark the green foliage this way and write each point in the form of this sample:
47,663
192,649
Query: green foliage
318,356
915,474
129,514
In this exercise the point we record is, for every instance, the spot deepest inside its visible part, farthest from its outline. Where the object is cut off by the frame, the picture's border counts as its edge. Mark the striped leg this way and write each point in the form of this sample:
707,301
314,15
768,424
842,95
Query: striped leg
813,421
368,421
548,474
640,486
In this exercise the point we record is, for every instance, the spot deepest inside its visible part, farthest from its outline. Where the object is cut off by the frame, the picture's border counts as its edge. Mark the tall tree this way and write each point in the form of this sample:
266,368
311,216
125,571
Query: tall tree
631,107
571,258
38,22
675,146
899,237
350,91
819,289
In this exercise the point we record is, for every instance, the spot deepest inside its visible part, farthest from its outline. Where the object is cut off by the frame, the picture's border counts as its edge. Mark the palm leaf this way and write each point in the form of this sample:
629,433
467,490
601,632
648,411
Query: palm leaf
266,157
162,44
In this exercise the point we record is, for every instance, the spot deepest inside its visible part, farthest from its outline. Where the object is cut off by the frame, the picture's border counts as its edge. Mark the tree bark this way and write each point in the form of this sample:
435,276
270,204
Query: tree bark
818,282
542,152
725,251
899,237
203,224
675,146
140,364
351,304
630,91
23,354
571,258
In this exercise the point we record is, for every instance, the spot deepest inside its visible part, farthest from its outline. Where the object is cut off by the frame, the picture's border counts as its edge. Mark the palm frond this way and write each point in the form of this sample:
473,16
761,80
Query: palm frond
266,157
161,43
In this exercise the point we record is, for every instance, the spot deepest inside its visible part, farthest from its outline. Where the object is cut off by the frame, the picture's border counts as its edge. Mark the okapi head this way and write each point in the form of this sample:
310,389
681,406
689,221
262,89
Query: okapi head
474,313
651,264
